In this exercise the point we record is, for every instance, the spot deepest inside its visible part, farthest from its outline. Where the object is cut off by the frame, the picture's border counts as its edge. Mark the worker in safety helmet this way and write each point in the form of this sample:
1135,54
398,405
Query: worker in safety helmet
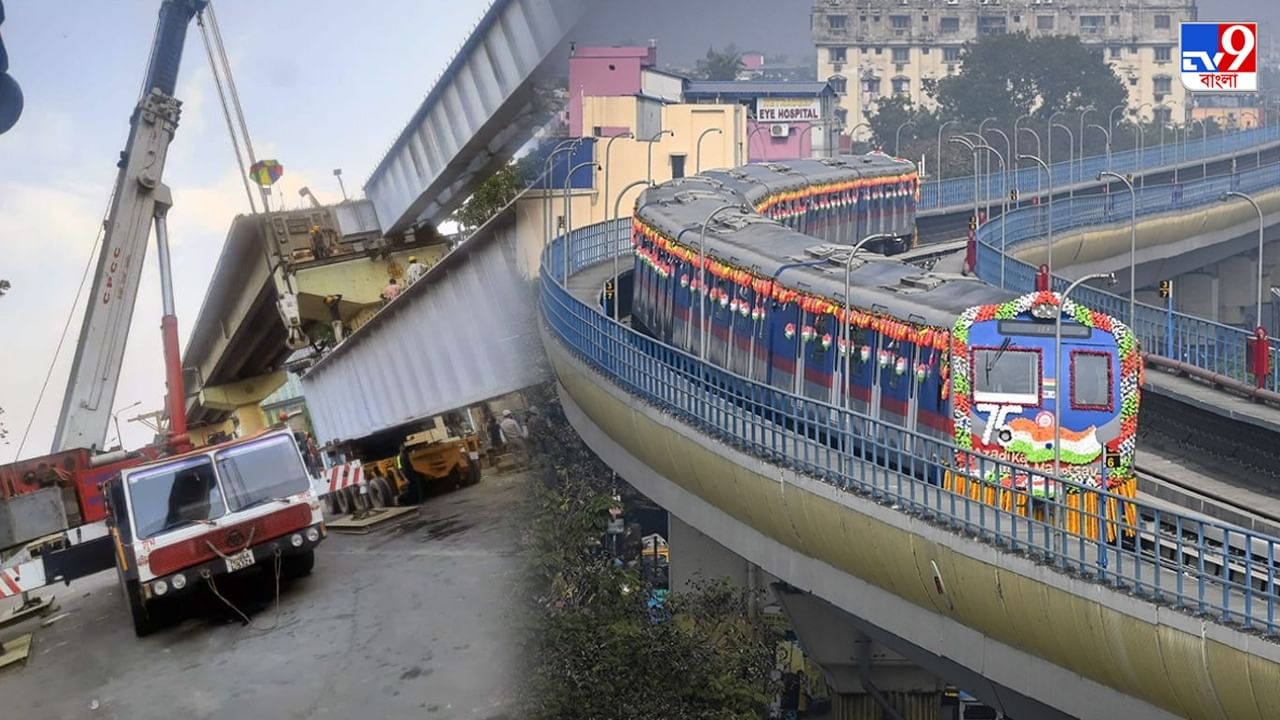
514,435
414,271
319,246
391,291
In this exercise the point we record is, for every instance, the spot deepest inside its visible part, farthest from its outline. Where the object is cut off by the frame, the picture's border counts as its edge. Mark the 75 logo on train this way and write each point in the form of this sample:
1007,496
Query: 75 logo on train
1219,57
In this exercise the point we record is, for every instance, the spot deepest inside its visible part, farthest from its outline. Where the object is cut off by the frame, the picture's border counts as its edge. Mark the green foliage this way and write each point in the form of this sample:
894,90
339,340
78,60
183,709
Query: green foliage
494,194
596,649
721,64
1005,76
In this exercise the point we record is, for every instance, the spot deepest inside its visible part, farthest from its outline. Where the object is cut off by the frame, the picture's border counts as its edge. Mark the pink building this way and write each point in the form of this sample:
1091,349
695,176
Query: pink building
752,61
605,72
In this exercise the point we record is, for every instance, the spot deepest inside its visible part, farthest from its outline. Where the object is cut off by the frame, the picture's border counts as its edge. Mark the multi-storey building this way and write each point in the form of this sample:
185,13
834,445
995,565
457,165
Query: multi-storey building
870,49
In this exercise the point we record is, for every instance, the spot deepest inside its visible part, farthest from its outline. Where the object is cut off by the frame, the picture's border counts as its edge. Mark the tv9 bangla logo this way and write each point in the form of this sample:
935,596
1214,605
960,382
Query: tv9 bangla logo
1219,57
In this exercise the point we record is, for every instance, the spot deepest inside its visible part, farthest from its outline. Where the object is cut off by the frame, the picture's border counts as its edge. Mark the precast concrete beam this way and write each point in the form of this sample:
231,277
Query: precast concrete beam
233,395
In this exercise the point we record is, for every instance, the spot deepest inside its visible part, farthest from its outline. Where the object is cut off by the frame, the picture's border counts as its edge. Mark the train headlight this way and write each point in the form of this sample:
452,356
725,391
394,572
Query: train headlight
179,581
1044,311
160,587
313,534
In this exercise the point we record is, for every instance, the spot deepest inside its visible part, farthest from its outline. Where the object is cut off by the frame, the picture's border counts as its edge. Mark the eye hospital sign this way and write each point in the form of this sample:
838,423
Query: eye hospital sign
779,110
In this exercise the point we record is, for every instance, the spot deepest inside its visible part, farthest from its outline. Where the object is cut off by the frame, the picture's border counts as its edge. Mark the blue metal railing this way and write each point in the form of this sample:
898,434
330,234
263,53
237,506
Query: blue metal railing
1171,558
958,191
1208,345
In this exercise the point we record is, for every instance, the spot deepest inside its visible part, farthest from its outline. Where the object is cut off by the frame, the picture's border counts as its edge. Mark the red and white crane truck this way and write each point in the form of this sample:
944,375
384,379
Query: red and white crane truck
168,518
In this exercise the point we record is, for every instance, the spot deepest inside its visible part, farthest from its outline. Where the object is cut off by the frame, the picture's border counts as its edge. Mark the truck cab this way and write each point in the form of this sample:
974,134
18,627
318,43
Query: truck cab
186,520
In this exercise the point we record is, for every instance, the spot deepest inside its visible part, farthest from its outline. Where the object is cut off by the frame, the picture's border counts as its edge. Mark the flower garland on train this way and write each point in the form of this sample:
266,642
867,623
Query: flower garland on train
1130,376
825,196
658,251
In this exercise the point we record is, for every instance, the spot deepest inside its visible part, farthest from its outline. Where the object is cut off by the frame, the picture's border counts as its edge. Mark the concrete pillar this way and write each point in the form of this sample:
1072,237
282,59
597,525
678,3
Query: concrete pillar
1237,289
695,555
1197,294
862,675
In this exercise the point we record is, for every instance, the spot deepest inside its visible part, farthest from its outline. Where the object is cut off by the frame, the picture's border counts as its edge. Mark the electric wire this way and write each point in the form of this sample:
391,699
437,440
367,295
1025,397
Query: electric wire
226,113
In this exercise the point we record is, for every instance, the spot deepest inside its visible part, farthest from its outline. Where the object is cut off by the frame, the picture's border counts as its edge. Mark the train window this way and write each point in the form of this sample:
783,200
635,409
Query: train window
1091,380
1001,375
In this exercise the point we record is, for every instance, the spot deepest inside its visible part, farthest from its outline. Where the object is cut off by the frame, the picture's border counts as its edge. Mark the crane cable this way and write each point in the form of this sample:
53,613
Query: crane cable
71,313
226,114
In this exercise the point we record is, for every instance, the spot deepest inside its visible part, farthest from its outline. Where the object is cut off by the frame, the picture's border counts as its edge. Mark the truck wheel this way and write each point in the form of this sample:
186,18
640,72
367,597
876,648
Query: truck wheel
143,623
473,472
299,564
331,504
380,493
343,500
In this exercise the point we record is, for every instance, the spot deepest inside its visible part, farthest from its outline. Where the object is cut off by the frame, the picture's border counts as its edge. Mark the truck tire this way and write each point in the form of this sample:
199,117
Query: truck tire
143,622
342,499
331,504
299,564
380,493
473,472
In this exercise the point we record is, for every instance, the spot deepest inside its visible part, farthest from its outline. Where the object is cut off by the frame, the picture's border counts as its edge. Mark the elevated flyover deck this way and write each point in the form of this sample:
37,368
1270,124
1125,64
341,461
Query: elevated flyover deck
1057,626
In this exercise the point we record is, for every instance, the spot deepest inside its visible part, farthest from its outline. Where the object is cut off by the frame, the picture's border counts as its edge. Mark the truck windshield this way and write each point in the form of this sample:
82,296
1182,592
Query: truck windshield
172,495
263,470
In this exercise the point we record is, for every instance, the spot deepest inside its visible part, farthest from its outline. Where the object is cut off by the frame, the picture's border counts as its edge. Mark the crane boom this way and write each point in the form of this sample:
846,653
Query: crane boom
138,198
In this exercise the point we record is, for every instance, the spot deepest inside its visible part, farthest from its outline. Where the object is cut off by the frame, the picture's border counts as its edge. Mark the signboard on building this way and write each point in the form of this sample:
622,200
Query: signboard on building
782,110
1219,57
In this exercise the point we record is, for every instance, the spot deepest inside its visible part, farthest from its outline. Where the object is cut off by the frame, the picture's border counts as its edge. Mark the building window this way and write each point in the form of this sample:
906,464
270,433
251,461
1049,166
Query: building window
879,51
1162,115
1161,85
925,50
1114,53
839,84
902,55
1115,19
1044,22
1164,53
837,22
951,54
992,25
836,54
1092,24
900,22
677,166
949,26
1162,22
842,117
901,86
871,86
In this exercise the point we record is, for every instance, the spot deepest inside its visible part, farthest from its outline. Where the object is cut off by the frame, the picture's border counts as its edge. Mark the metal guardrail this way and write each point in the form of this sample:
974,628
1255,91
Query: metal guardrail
958,191
1173,558
1210,346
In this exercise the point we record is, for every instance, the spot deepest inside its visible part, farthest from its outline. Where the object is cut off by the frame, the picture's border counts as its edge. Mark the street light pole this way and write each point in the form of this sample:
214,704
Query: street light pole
751,135
547,188
568,211
1133,244
1111,122
844,324
897,136
337,172
1230,194
651,141
1142,143
1057,368
982,134
1038,153
616,253
1071,158
973,148
1204,147
1004,208
697,168
1008,155
608,148
1049,146
1049,225
1105,134
1083,111
115,416
942,127
701,275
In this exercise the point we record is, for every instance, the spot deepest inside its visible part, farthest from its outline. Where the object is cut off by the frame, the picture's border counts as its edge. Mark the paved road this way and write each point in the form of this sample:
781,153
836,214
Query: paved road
410,621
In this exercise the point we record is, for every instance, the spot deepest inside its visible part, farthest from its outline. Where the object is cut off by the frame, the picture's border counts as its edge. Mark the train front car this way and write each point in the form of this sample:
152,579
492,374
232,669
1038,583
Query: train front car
1009,378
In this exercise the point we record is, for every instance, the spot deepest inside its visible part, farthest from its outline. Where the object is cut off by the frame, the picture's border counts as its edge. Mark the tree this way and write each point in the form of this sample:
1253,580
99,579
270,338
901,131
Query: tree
494,194
605,646
1005,76
720,64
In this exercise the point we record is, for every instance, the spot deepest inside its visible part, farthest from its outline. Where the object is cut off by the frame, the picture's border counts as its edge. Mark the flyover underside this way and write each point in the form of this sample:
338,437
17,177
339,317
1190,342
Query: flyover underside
1073,645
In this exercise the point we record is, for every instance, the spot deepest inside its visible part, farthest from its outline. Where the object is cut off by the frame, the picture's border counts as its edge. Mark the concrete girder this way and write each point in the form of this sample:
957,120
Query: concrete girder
481,94
233,395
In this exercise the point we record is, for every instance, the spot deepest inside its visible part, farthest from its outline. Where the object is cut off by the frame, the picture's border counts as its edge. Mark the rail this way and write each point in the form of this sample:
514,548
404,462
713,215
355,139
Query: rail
1211,347
959,191
1215,569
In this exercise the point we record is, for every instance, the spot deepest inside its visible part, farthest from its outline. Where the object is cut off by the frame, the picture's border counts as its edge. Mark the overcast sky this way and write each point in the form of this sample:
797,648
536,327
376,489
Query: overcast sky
324,83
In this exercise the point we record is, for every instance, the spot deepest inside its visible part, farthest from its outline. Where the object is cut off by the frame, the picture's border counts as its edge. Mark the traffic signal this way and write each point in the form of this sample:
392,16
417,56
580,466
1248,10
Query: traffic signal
1013,195
973,223
1166,288
10,93
608,290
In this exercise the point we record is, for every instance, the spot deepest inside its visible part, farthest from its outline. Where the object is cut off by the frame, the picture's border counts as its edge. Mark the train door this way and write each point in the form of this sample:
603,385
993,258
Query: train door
893,382
861,376
912,355
783,342
820,352
666,303
740,330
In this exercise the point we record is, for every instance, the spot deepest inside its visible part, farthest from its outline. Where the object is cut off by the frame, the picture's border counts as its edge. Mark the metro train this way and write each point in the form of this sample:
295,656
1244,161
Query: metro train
945,356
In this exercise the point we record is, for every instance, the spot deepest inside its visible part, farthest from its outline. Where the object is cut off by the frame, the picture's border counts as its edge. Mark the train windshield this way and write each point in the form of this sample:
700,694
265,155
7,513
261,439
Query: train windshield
174,495
260,471
1006,376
